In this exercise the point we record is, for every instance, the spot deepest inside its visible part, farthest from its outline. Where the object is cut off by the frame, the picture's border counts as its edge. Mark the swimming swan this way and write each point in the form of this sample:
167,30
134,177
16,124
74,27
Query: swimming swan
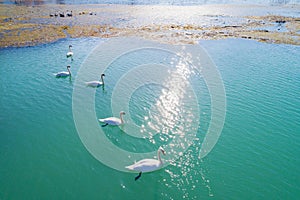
96,83
147,165
113,120
64,74
70,53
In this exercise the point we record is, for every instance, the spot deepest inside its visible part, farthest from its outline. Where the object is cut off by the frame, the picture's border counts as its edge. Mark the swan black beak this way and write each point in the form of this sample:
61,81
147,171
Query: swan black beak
138,176
104,125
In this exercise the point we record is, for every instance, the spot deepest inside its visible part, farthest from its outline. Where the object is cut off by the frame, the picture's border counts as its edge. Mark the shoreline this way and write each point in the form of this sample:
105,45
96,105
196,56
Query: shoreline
22,26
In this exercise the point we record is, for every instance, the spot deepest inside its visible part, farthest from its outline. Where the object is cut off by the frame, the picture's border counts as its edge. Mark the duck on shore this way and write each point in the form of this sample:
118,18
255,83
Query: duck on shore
69,13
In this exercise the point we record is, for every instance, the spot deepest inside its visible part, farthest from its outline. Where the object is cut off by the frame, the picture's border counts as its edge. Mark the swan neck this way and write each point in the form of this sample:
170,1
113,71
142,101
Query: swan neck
69,71
121,117
158,156
102,80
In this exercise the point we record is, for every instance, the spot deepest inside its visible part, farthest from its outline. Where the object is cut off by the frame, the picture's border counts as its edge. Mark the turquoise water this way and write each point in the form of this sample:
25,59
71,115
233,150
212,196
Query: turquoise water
256,157
261,132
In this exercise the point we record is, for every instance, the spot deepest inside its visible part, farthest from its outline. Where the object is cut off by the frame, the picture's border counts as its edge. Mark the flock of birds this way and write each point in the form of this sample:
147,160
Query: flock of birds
69,14
62,14
144,165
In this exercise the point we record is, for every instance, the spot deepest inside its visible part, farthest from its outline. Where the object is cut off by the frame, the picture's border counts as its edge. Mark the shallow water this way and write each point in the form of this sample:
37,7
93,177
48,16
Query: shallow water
256,156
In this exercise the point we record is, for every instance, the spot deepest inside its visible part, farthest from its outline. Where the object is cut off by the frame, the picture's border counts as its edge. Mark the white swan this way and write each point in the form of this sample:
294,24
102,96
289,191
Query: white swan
96,83
147,165
64,74
113,120
70,53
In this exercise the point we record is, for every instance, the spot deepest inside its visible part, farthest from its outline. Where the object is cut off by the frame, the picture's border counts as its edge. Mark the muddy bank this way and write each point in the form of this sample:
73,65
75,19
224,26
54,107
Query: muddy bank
31,25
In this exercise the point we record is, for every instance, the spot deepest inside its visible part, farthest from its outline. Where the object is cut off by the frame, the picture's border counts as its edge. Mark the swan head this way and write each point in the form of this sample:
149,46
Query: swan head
122,113
70,46
162,150
68,67
102,75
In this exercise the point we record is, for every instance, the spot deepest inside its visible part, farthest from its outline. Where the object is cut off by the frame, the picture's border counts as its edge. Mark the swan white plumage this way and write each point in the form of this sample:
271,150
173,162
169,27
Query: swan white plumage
96,83
70,53
64,74
147,165
114,121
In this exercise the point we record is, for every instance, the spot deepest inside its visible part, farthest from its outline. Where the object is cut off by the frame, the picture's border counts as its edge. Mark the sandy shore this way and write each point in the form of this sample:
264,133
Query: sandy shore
32,25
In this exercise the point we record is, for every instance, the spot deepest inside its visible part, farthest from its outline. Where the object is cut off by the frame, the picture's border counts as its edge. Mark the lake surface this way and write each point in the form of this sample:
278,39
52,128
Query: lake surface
256,157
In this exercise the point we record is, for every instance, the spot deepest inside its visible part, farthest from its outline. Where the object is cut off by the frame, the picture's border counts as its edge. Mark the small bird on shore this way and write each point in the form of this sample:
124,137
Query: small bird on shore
69,13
